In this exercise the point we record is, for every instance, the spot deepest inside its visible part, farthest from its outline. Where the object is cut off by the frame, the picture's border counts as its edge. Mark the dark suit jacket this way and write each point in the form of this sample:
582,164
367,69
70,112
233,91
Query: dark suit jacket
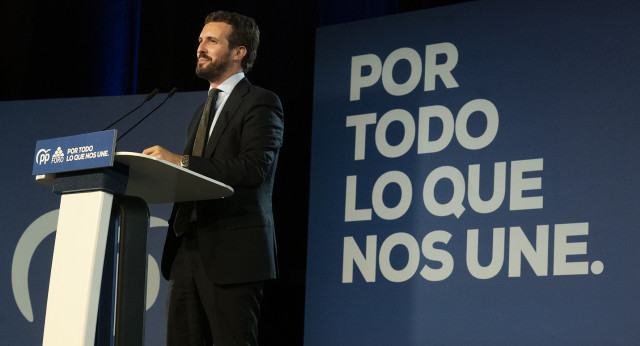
236,234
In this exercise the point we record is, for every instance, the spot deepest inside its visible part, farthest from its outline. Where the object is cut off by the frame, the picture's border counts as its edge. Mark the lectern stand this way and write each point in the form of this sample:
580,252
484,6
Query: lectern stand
88,198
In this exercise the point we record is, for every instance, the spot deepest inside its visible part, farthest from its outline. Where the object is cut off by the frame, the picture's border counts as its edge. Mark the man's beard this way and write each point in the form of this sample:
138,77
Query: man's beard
214,69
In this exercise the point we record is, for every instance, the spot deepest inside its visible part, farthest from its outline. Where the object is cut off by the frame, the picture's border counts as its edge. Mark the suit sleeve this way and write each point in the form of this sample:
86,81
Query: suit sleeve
247,150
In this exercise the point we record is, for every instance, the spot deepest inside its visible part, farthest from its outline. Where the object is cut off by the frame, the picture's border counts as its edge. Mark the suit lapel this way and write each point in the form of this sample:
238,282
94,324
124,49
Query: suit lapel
228,111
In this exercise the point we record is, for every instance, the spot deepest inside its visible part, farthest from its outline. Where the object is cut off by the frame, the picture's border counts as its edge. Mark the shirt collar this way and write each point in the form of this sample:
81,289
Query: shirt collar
230,83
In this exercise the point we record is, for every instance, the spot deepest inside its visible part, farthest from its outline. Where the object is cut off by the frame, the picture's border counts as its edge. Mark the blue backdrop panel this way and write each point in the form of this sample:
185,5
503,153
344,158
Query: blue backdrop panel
29,210
474,177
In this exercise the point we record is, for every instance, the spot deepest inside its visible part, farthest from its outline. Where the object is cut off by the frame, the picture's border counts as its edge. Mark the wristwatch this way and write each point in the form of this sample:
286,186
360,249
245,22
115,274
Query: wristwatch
185,161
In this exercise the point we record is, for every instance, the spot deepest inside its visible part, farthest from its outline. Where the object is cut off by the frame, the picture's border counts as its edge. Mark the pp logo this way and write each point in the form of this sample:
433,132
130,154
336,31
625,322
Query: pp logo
42,157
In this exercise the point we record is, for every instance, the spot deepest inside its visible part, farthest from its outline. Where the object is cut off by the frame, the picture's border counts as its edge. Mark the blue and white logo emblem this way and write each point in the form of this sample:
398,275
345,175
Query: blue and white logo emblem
85,151
43,156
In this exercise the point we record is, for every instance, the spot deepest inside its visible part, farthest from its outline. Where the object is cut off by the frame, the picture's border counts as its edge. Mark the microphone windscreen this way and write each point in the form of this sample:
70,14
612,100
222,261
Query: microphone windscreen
152,94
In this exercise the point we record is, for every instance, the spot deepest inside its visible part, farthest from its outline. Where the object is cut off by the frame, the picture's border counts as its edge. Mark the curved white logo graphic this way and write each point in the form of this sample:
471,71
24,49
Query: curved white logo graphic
42,156
34,235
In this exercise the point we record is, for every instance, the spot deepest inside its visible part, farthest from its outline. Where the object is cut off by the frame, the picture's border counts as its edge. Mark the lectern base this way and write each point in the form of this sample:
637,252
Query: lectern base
76,269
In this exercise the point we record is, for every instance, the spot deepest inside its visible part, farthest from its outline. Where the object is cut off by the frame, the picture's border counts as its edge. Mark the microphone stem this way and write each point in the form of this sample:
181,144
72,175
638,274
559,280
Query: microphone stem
141,120
149,97
124,116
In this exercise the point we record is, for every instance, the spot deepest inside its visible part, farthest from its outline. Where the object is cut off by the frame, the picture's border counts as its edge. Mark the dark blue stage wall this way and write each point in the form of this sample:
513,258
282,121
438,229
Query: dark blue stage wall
29,211
474,177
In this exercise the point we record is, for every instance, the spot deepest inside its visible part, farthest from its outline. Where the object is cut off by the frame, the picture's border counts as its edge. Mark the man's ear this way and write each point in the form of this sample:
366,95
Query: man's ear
240,52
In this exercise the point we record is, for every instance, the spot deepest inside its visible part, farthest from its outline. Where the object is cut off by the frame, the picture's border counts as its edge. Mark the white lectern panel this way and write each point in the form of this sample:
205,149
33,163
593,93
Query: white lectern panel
76,269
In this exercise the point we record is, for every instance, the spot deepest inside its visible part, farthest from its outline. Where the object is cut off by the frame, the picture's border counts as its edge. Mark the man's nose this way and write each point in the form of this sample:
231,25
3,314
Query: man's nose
201,48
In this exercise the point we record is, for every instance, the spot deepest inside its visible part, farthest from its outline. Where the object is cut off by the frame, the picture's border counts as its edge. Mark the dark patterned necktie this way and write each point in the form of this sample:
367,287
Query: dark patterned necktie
203,127
185,209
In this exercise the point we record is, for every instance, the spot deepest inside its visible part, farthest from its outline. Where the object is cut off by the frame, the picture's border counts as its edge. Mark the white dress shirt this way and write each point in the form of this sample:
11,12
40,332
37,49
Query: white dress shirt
225,88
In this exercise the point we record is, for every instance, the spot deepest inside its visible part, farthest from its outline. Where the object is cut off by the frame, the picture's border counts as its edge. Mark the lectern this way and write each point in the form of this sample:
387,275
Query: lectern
89,199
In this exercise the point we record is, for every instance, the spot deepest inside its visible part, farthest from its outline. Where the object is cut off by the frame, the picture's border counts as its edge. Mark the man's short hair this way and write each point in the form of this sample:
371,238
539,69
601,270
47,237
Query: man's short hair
244,32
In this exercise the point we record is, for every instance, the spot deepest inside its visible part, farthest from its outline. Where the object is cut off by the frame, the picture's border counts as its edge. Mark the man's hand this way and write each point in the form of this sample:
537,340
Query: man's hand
163,154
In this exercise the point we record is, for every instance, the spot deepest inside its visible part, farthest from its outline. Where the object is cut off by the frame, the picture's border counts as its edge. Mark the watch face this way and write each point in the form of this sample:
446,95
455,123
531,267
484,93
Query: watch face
185,161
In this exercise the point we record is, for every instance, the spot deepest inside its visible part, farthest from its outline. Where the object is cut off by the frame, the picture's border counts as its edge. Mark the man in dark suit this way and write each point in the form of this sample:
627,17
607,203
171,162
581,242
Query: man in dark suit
218,252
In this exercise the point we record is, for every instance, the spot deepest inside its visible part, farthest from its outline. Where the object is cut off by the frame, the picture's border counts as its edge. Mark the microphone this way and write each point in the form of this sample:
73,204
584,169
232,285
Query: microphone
149,97
171,93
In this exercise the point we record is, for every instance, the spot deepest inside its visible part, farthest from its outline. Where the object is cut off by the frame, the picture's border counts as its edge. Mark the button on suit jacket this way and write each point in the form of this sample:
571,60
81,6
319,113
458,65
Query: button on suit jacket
236,234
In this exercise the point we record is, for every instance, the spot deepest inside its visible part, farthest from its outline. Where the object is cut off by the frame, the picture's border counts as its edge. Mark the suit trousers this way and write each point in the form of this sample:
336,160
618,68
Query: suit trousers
200,312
